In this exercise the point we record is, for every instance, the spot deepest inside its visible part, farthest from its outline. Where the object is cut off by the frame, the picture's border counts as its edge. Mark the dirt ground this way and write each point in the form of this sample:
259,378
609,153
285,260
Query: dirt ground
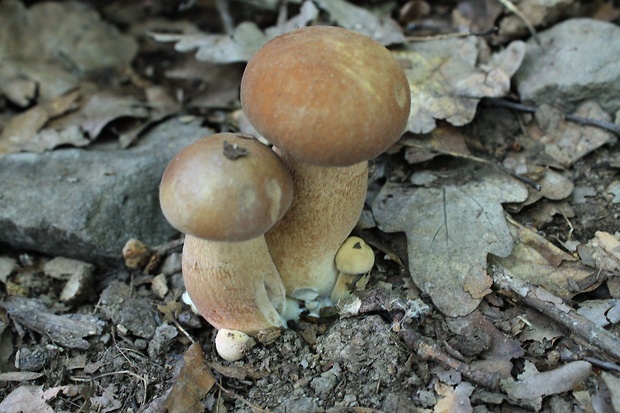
127,343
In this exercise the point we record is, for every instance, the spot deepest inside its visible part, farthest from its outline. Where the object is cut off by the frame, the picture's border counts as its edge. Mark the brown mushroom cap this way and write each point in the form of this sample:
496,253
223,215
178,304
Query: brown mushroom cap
225,187
326,95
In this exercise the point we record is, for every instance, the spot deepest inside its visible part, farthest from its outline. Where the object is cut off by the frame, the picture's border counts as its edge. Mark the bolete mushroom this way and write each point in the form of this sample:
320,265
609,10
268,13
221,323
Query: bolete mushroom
354,260
224,192
329,99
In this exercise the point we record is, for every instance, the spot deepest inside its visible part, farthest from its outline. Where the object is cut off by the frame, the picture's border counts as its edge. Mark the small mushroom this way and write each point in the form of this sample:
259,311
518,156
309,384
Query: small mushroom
232,345
225,191
354,260
329,99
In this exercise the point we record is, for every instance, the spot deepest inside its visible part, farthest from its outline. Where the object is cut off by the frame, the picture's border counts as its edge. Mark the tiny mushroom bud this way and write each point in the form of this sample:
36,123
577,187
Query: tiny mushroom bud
224,191
329,99
232,345
354,259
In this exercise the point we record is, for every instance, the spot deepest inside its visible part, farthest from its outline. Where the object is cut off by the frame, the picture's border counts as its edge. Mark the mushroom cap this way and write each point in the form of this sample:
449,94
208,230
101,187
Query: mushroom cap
326,95
232,345
354,256
225,187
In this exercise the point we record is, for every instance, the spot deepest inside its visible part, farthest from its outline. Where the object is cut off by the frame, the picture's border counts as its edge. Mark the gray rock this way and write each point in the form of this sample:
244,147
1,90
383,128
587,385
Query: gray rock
86,203
577,60
162,341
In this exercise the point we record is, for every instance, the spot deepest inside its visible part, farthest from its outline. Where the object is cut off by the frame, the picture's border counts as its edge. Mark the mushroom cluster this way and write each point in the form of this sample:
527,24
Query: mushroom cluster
329,99
264,226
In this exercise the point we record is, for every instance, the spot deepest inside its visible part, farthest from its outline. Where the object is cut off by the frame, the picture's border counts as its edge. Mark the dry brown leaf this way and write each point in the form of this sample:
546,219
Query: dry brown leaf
32,399
241,45
381,28
450,230
607,397
454,399
195,380
567,142
553,186
445,139
446,84
529,391
22,131
537,261
25,399
543,212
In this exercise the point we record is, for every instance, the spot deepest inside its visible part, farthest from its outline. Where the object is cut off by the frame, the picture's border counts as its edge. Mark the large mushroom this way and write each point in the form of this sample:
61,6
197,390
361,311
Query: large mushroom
329,99
225,191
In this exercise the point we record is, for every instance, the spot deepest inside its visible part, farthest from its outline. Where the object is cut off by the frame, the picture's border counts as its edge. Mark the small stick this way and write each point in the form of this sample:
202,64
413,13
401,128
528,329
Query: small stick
429,352
511,7
554,308
500,167
459,35
609,126
160,252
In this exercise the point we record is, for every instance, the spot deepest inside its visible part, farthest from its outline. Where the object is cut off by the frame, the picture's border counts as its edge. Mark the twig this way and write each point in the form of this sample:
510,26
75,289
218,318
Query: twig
511,7
160,252
459,35
223,10
502,168
554,308
241,399
609,126
429,352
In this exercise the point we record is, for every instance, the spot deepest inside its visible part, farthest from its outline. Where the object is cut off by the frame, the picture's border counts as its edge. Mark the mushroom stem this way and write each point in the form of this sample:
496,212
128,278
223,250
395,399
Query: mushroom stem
234,285
327,205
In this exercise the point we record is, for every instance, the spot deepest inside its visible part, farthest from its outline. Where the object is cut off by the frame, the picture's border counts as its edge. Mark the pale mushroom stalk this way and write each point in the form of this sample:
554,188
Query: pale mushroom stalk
327,204
234,285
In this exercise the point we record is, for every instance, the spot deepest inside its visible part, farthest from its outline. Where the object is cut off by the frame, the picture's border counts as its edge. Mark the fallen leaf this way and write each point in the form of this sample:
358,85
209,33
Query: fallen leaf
543,212
445,139
246,39
195,380
454,399
566,141
607,397
450,231
601,312
529,391
537,261
25,399
446,83
22,132
32,399
381,28
107,402
539,328
69,33
553,186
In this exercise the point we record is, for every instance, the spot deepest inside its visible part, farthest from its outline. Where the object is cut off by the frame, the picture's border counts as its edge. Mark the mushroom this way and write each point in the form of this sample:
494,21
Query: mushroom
329,99
225,191
353,259
232,345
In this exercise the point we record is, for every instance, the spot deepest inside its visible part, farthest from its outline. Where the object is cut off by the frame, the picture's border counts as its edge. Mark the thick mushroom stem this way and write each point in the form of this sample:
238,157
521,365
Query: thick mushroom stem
303,244
234,285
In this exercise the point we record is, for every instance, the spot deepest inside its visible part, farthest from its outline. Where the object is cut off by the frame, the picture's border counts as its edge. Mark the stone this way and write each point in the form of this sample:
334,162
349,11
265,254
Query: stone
576,61
86,203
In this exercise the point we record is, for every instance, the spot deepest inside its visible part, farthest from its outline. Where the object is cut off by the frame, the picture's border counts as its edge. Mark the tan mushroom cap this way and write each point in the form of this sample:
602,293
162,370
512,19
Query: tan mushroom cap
326,95
225,187
355,257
